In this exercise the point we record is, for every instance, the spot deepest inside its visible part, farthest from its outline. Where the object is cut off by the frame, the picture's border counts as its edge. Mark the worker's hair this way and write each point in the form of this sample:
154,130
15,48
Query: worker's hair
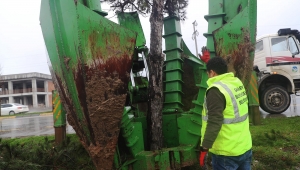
217,64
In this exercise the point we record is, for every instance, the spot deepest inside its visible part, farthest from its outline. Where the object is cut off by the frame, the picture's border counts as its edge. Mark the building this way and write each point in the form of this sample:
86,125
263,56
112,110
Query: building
32,89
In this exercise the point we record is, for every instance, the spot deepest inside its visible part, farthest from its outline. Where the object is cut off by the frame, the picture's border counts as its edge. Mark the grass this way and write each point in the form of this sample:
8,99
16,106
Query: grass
40,152
276,145
32,113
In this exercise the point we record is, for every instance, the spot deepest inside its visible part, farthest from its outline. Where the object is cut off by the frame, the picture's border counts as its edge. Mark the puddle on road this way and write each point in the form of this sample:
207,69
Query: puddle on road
29,126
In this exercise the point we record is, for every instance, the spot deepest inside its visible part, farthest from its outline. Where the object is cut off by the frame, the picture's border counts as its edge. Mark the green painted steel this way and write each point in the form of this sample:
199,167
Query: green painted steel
215,21
170,130
78,40
132,133
253,91
59,114
180,131
222,12
232,34
254,113
93,5
131,21
85,48
81,45
235,41
139,92
235,32
173,70
189,124
166,158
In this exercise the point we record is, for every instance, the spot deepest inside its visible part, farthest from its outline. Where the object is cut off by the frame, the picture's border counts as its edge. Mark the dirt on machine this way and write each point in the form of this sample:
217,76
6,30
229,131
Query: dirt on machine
100,71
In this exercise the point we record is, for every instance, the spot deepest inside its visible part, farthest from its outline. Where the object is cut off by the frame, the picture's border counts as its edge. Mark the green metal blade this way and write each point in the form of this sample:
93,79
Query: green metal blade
232,33
91,60
131,21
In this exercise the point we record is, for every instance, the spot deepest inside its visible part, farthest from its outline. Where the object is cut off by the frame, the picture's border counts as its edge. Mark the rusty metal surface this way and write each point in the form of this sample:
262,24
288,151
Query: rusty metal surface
60,134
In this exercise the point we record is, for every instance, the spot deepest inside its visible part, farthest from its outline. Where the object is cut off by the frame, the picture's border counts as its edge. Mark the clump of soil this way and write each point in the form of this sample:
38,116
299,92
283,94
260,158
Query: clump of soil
105,106
102,98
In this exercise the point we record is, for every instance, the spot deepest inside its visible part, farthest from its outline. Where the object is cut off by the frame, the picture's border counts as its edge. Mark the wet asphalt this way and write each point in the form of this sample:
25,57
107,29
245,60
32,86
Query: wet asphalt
24,125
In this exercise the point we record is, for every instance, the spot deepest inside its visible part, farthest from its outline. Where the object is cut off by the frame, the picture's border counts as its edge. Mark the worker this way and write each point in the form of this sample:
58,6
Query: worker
225,123
205,54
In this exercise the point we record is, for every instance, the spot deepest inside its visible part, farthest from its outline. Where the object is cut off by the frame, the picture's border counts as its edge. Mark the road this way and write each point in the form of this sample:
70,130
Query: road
29,125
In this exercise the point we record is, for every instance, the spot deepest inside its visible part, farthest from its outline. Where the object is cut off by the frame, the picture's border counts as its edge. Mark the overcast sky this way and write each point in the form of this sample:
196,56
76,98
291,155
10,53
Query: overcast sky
22,48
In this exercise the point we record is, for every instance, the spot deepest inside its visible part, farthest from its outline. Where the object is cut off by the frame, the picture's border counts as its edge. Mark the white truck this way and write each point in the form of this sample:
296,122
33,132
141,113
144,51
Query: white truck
277,62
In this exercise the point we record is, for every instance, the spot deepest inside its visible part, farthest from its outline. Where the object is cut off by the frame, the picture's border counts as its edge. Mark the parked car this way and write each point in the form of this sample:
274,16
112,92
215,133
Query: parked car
13,108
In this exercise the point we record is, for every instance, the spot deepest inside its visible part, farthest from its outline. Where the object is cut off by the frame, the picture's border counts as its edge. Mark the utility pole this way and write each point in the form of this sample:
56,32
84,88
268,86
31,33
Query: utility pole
194,36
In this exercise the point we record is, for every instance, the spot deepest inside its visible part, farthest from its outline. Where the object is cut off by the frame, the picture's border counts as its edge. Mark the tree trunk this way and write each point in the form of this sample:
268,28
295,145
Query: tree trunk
155,62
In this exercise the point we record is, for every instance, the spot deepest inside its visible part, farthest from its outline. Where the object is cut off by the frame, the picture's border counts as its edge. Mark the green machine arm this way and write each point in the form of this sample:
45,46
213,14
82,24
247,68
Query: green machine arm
91,58
232,35
96,65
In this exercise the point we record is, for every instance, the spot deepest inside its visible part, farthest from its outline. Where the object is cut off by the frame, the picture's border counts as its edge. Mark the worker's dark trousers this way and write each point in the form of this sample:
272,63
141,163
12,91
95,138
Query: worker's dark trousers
242,162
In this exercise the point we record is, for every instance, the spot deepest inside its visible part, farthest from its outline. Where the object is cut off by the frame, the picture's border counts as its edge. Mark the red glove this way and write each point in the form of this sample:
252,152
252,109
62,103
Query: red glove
203,157
205,55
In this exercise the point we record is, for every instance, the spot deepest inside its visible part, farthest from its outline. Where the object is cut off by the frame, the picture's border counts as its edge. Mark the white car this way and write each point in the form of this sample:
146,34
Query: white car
13,108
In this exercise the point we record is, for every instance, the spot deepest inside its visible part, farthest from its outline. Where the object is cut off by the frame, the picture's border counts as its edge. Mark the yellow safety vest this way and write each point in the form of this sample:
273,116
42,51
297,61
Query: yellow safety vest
234,137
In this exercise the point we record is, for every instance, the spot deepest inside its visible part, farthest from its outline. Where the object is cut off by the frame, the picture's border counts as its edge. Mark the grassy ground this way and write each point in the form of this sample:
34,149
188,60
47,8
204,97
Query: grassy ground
276,145
36,153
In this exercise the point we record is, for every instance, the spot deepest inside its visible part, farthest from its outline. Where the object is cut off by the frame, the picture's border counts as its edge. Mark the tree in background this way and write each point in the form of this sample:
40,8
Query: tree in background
156,9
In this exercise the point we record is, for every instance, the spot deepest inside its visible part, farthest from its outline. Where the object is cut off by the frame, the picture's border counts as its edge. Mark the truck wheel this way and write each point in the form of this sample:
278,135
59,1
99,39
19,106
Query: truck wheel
275,99
261,99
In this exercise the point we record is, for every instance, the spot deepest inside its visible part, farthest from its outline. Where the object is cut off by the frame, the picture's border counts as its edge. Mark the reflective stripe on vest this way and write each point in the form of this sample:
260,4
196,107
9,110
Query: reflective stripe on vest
237,118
